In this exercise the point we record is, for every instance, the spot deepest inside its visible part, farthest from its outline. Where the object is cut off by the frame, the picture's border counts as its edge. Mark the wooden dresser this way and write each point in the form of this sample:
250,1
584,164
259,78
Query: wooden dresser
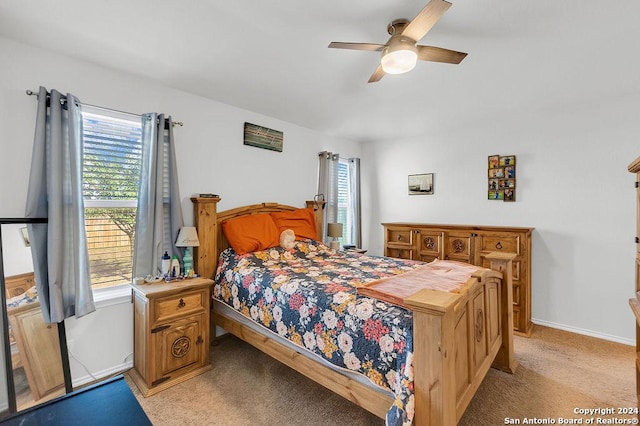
469,244
635,302
34,343
171,333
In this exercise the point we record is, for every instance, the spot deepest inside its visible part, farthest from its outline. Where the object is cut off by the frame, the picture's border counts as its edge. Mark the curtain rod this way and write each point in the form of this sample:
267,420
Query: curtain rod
174,123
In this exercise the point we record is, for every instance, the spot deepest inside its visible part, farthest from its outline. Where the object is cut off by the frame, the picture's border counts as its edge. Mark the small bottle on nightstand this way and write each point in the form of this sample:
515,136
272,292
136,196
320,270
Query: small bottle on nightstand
175,267
166,264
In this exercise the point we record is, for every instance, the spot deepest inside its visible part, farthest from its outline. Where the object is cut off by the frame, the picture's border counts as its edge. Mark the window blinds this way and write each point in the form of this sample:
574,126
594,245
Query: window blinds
111,176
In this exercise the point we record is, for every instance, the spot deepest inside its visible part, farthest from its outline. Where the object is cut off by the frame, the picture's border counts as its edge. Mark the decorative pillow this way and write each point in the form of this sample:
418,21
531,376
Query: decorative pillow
287,239
251,233
301,221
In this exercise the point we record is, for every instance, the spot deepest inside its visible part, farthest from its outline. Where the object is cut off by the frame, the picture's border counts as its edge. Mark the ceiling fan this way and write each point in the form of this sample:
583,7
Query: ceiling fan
400,53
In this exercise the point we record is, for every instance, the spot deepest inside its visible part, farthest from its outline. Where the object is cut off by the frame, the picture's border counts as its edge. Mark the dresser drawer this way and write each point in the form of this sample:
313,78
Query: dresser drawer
399,253
500,243
399,237
430,242
179,304
459,246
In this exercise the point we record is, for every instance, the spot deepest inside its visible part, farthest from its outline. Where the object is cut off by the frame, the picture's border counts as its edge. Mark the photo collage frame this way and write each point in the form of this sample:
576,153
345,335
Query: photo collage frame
502,178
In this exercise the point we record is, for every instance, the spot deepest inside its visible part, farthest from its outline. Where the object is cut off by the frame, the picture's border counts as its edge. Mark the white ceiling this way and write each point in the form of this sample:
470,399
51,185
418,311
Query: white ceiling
271,56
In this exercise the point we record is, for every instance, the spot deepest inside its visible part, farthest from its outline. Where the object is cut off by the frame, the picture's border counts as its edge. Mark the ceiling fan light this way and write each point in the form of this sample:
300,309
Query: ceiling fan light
399,62
399,56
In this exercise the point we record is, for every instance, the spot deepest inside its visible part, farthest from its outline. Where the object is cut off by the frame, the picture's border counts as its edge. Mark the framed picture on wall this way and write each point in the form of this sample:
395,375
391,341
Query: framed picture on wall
496,173
262,137
421,184
494,162
510,172
509,194
501,173
508,160
496,195
25,236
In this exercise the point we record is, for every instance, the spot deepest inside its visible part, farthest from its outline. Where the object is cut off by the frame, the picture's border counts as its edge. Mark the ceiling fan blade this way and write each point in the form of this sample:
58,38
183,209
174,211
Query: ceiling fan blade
426,19
356,46
377,75
438,54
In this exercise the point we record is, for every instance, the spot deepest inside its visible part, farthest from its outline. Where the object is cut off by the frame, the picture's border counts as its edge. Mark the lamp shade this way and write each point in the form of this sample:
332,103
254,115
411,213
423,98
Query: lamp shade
399,56
187,237
334,230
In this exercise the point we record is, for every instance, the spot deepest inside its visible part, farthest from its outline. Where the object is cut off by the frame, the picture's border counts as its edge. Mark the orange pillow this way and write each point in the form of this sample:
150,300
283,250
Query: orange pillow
301,221
251,233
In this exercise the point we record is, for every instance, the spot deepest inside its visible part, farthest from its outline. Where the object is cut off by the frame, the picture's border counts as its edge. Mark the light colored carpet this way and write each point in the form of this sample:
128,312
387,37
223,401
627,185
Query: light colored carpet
558,373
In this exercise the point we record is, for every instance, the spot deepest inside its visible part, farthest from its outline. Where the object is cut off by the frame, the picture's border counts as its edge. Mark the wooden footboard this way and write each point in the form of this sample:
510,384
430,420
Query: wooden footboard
457,337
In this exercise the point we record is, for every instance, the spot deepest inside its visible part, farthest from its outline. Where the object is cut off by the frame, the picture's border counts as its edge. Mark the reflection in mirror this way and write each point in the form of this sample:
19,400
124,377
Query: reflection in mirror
4,395
35,350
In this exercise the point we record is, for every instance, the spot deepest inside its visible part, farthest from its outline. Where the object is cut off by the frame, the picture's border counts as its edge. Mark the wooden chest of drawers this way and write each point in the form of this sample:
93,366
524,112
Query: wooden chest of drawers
171,333
469,244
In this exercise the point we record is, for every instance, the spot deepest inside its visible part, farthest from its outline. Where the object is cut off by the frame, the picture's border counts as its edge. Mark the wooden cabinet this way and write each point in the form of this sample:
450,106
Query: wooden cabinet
635,301
469,244
38,350
171,333
35,345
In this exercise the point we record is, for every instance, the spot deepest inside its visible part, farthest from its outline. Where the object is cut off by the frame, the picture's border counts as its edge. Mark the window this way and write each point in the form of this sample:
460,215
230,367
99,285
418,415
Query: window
111,176
343,200
347,214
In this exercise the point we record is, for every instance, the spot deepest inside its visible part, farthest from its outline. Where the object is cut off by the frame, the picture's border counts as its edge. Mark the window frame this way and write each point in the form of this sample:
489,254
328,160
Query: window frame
112,293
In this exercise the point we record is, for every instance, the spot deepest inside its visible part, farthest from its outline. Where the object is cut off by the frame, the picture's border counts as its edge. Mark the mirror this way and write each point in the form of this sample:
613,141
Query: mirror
35,365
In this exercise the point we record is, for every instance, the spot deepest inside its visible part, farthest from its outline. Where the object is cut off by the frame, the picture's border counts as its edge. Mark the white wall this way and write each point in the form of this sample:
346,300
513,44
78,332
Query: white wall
211,158
572,186
16,255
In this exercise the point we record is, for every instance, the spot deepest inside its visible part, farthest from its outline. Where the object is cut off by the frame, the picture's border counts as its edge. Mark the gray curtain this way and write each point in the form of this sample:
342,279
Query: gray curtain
159,216
354,202
328,186
59,248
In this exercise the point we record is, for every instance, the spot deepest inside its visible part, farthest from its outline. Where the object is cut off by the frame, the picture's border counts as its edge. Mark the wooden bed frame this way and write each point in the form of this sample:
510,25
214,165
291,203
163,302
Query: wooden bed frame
457,337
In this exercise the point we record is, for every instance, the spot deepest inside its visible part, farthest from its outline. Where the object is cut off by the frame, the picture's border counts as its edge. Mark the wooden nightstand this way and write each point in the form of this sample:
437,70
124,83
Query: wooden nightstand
170,332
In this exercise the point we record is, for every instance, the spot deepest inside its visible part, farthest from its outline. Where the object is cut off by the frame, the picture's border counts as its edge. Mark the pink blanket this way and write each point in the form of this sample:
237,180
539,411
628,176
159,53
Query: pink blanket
443,275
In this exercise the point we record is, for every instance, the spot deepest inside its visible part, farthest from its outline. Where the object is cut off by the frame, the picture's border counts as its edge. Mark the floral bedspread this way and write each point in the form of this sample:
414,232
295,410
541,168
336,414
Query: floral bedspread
308,295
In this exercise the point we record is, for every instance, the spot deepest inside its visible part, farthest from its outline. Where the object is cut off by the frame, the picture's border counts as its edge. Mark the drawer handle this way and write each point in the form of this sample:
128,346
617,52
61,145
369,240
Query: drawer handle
499,245
160,328
399,237
181,304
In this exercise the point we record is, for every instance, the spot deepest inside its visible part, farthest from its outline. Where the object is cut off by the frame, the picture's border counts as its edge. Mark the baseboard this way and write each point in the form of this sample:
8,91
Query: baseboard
87,379
582,331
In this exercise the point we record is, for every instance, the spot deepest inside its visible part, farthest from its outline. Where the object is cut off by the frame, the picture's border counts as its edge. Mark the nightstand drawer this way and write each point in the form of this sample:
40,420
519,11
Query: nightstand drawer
179,305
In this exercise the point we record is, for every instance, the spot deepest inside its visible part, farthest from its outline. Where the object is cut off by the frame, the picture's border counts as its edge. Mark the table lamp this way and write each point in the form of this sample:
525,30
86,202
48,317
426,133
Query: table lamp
187,237
334,230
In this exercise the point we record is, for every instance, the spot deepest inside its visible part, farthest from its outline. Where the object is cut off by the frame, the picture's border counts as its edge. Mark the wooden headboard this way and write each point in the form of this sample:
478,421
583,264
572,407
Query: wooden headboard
207,221
18,284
